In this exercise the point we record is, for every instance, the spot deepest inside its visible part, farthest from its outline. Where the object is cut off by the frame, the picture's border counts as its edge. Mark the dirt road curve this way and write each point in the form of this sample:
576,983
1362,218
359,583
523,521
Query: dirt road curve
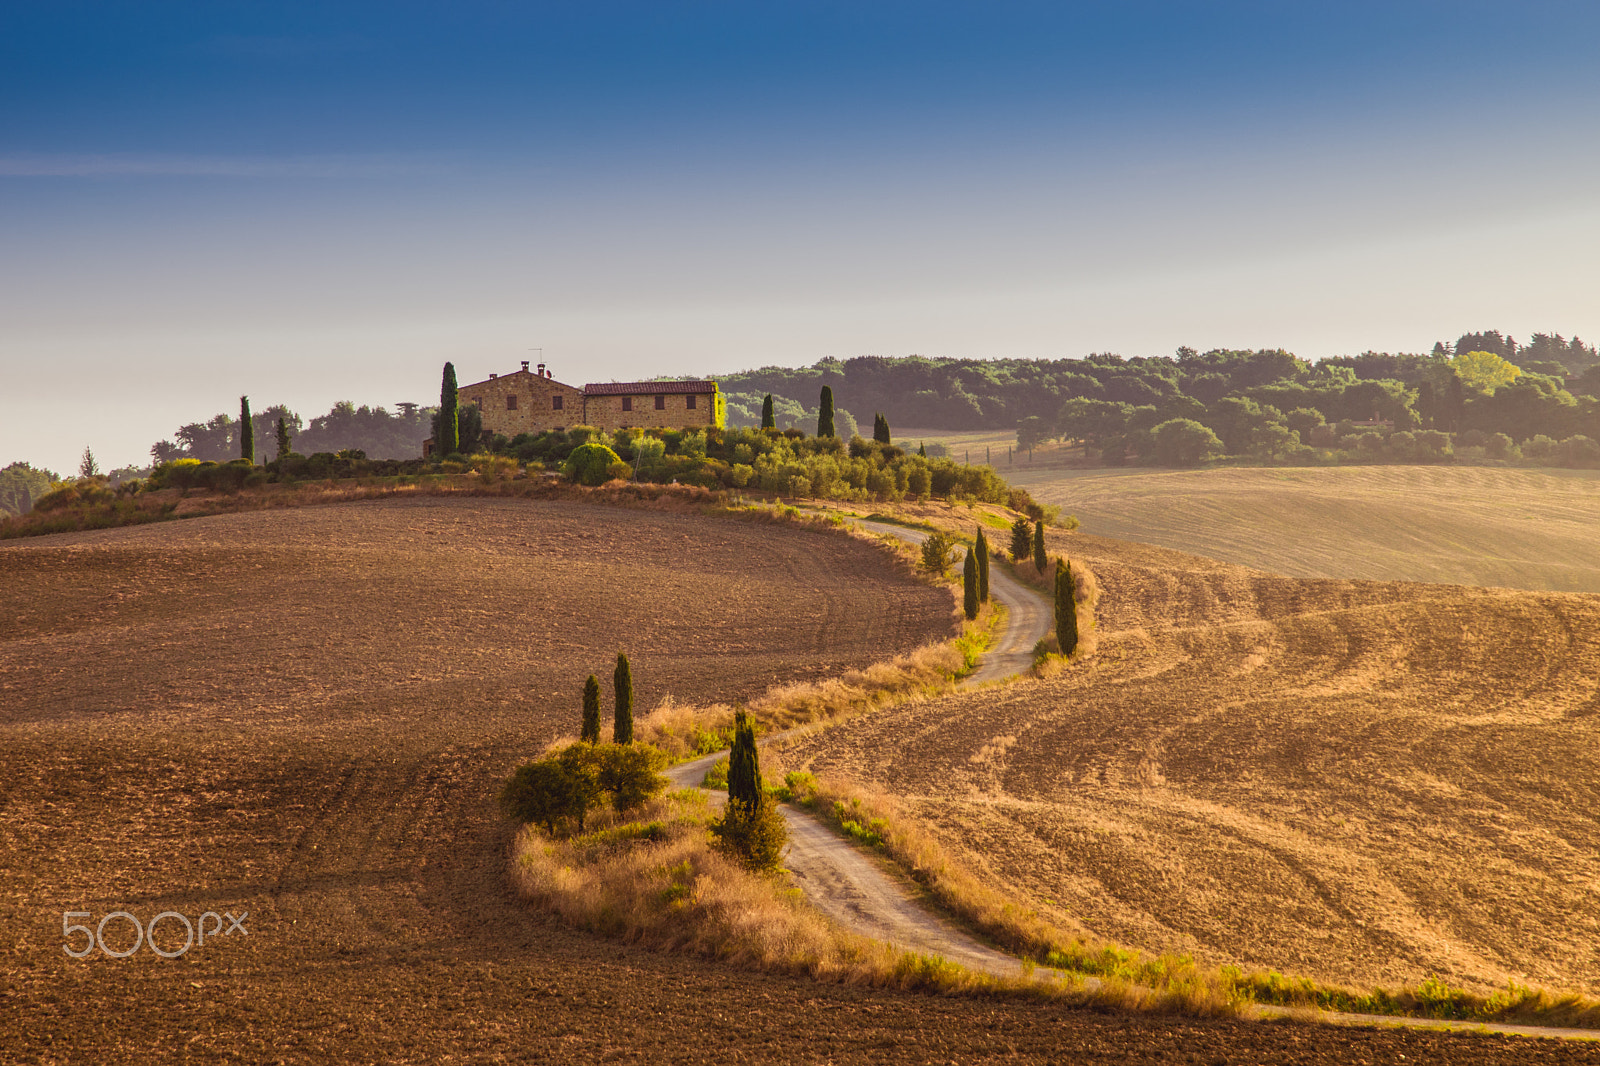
1028,616
843,882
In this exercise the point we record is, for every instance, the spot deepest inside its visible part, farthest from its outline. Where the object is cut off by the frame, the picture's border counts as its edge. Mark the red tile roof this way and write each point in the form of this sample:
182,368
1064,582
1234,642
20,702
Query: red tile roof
647,388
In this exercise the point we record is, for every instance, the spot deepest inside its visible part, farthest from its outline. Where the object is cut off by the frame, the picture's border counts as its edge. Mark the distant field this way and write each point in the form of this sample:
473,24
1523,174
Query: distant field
1468,525
1362,782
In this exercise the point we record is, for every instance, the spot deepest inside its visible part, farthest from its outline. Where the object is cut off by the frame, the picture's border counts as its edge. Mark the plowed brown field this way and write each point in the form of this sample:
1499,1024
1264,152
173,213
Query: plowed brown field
1357,781
305,715
1470,525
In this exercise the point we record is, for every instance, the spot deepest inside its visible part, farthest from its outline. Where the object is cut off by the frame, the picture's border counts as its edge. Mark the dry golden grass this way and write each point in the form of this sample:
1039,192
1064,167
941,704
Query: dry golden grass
1530,529
657,880
1369,784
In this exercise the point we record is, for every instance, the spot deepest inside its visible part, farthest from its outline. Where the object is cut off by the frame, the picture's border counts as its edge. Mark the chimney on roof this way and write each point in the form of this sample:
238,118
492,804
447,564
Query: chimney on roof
524,366
493,376
541,370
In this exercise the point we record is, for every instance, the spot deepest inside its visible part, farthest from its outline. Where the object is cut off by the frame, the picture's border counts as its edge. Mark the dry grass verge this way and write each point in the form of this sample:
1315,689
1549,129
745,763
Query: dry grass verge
687,731
1175,981
658,881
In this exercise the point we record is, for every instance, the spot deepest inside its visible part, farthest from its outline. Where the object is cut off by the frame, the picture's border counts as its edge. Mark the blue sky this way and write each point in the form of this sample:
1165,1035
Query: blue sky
314,202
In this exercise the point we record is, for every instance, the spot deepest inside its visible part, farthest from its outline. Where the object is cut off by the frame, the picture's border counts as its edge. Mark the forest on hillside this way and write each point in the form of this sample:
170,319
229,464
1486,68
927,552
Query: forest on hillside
1256,403
1265,404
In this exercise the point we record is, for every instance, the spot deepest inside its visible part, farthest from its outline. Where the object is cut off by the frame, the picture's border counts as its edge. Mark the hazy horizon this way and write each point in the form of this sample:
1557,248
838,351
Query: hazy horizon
326,204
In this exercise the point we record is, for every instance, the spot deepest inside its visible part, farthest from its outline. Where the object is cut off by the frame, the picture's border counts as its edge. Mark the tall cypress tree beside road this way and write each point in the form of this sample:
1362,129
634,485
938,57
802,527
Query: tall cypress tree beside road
825,413
1040,560
982,548
591,710
1066,608
769,420
969,585
622,682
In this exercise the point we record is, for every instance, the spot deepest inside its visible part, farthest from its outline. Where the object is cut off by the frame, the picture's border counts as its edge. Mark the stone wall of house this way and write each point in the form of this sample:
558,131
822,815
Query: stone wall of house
606,412
524,402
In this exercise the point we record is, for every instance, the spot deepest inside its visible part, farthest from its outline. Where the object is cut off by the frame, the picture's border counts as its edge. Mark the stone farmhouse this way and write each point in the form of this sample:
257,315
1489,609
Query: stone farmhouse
532,401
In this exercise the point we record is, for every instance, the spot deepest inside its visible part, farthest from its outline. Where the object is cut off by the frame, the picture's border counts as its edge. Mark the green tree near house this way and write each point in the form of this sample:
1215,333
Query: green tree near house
969,585
591,710
769,419
1040,561
283,439
1066,608
982,549
622,684
1021,539
247,432
448,440
825,413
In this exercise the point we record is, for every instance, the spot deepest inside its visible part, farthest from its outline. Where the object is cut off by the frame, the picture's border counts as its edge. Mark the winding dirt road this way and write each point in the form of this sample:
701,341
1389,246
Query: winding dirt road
839,879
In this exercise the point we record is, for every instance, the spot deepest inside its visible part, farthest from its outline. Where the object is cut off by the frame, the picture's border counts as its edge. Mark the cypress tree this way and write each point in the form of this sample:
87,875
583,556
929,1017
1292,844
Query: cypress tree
880,429
247,432
744,767
449,439
1021,540
825,413
591,710
1066,609
922,450
969,585
622,682
1039,559
769,420
283,439
983,566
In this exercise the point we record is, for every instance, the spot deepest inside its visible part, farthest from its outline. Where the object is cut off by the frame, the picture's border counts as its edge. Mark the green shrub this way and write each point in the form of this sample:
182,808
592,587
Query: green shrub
590,464
1021,539
936,549
560,789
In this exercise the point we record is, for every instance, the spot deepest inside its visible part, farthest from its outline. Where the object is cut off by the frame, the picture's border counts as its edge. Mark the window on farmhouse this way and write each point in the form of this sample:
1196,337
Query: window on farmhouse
511,403
661,403
691,401
627,403
556,402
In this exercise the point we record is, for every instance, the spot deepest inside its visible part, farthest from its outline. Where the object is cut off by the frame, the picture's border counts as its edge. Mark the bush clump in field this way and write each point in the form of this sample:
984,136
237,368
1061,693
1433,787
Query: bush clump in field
751,828
559,790
592,464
